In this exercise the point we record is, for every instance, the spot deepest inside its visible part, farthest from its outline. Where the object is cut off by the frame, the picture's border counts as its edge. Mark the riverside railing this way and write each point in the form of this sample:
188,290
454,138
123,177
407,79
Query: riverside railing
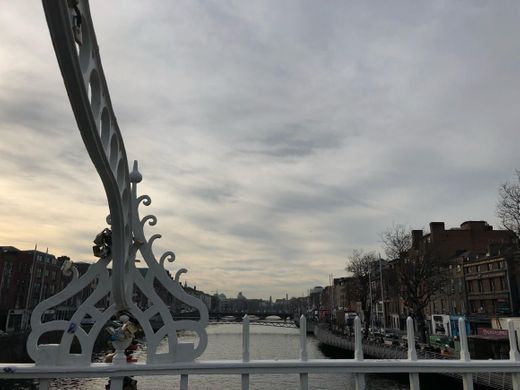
358,366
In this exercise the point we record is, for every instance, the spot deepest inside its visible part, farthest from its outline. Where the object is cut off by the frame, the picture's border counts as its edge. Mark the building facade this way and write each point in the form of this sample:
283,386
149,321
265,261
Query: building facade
28,277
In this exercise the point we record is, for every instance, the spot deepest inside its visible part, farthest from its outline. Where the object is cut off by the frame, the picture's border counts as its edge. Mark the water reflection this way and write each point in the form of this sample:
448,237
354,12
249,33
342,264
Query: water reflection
225,342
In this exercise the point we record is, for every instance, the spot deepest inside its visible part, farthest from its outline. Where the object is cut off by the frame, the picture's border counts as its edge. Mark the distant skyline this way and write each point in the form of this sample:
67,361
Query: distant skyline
273,137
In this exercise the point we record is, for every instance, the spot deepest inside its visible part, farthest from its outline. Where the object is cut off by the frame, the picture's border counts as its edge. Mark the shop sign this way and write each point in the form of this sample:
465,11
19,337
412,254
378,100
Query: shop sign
495,333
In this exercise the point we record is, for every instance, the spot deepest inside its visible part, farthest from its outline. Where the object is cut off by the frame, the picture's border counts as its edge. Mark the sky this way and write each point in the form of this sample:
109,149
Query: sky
273,137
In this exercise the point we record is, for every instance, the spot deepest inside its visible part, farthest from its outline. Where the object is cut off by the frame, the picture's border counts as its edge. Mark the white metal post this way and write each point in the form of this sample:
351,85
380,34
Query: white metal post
412,353
304,377
184,382
245,350
26,317
358,353
514,355
116,383
43,275
382,294
44,384
467,378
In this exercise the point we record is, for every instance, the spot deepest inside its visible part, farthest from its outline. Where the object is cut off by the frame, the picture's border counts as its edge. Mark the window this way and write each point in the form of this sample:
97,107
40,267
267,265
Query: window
489,266
6,275
491,285
503,285
478,268
480,286
458,267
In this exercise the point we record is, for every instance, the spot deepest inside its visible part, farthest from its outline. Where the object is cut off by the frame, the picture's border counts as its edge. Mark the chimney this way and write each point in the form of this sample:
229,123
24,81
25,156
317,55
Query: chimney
436,229
493,249
479,226
417,236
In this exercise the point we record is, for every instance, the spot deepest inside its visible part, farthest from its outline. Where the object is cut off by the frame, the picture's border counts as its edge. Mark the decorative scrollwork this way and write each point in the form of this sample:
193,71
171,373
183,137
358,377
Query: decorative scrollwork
151,219
170,256
145,199
179,272
76,48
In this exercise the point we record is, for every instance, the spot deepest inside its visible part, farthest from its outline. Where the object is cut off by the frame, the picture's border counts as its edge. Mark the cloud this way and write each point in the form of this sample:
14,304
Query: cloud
273,137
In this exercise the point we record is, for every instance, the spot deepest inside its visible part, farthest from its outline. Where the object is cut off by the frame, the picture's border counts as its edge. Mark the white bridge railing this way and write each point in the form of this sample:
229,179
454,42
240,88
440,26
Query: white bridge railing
358,366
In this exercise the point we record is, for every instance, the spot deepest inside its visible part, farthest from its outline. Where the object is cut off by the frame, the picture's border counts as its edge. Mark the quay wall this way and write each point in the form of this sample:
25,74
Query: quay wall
494,380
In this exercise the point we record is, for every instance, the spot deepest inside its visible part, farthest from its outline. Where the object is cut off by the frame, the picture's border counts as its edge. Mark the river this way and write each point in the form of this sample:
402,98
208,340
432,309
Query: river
224,342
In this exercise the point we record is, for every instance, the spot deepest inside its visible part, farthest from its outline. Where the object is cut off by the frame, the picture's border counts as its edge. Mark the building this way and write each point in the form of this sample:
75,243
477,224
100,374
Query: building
448,246
492,285
315,297
473,236
344,293
28,277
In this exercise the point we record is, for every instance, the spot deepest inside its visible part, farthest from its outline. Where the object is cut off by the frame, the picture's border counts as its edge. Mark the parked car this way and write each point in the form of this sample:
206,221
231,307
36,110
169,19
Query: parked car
391,339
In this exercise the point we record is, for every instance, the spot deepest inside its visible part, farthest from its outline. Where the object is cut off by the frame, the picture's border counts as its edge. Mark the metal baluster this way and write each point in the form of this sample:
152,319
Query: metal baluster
304,377
412,353
116,383
184,382
44,384
358,353
245,350
513,353
467,378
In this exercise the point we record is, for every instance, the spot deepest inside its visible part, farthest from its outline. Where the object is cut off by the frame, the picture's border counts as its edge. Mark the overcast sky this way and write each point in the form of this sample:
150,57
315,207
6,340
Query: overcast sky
274,137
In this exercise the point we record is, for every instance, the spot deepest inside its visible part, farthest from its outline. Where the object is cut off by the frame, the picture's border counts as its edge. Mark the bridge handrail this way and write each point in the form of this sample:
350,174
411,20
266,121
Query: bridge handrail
465,367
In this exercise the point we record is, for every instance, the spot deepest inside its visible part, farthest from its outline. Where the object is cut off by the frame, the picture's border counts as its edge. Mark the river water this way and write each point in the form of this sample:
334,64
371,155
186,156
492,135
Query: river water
225,342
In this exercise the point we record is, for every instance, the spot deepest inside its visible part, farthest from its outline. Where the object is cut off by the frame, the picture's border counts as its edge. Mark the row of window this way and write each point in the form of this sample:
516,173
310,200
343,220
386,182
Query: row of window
485,267
442,306
490,306
487,285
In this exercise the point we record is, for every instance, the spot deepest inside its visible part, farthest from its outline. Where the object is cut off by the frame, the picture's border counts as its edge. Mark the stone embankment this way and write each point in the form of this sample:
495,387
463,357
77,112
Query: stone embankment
495,380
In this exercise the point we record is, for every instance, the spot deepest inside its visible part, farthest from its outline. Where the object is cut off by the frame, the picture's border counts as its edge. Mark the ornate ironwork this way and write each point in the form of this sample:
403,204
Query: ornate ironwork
77,52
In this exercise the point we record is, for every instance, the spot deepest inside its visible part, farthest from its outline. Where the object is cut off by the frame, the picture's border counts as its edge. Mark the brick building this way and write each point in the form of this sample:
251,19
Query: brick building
449,246
473,236
27,277
492,283
345,293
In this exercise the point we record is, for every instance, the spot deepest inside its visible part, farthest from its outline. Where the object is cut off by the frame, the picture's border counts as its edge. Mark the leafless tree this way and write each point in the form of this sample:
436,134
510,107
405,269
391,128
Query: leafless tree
360,264
508,206
417,270
396,241
421,274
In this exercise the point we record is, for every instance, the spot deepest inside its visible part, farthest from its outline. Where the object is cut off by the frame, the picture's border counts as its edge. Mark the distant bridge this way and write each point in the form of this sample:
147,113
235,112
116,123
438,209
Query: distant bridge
260,315
276,324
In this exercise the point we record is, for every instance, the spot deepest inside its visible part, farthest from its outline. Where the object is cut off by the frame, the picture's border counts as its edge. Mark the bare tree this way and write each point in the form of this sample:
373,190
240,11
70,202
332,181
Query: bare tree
396,241
417,270
421,274
508,206
360,264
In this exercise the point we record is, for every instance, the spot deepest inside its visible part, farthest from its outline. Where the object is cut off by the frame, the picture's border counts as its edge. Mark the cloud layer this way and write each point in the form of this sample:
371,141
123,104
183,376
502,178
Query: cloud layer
273,137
